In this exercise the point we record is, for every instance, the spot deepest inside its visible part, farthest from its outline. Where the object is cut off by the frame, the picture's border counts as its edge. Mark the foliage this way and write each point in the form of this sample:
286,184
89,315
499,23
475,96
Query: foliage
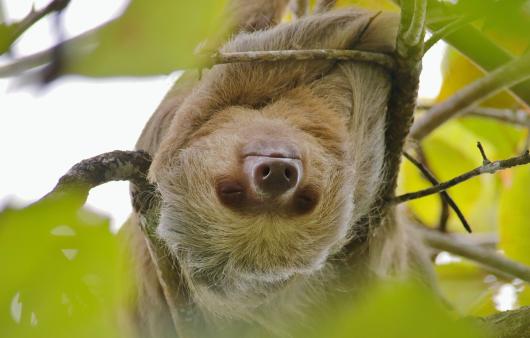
451,150
144,40
407,310
63,277
62,274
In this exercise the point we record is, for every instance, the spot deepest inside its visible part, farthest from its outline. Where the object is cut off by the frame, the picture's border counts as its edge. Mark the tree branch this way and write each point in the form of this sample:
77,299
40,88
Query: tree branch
381,59
508,324
512,116
129,166
72,49
505,76
486,257
489,168
409,51
113,166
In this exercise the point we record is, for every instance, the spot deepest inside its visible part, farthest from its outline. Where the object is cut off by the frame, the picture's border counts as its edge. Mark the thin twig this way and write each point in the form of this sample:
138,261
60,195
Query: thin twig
505,76
72,49
443,218
489,168
517,117
444,195
485,159
486,257
445,31
381,59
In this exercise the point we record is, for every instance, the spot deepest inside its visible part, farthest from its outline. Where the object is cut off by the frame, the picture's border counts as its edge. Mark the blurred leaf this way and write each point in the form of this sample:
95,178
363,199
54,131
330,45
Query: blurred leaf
523,296
396,311
380,5
458,71
503,139
6,39
514,220
507,22
151,38
60,273
464,285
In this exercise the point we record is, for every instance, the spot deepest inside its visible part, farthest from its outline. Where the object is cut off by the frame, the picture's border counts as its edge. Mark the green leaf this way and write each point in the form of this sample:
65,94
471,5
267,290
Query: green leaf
60,273
151,38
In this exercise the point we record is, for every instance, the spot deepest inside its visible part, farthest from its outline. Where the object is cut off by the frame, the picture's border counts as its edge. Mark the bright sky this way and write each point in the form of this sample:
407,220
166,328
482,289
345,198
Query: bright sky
44,131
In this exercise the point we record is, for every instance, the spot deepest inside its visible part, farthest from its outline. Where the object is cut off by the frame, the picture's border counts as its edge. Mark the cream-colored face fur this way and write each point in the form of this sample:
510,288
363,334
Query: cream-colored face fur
237,248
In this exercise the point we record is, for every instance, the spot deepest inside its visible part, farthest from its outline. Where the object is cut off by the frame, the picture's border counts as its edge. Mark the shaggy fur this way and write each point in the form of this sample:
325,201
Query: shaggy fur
269,266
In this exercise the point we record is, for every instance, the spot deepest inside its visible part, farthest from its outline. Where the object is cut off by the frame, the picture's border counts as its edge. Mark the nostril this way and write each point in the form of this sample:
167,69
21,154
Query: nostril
287,173
265,171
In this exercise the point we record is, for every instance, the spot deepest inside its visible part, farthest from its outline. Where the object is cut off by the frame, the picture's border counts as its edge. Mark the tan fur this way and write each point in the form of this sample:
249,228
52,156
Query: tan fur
270,267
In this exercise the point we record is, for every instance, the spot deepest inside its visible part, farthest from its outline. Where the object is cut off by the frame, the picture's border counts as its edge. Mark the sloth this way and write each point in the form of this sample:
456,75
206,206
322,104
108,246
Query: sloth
265,171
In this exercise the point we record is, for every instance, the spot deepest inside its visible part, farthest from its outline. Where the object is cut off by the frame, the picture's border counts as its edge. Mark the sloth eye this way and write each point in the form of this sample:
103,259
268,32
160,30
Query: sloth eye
231,193
305,200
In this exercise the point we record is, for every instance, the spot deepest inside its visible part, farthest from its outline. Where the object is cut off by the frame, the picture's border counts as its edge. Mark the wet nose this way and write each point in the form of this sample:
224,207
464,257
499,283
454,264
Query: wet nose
273,176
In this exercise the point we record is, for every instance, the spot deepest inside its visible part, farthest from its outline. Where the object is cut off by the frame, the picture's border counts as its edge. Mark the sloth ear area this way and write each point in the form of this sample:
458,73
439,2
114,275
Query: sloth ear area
380,34
162,161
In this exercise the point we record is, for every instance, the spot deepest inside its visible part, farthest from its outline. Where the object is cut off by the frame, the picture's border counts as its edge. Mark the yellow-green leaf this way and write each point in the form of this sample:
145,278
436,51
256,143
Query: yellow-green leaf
514,220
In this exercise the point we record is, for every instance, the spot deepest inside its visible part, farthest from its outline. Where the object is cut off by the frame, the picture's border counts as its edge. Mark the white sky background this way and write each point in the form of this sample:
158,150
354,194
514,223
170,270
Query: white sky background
44,131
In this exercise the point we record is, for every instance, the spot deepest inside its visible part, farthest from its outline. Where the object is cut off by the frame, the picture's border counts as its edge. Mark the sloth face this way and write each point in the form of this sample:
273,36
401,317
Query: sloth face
257,197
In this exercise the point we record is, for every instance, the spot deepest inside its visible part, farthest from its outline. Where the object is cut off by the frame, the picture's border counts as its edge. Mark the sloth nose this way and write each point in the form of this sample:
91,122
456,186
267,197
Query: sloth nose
274,176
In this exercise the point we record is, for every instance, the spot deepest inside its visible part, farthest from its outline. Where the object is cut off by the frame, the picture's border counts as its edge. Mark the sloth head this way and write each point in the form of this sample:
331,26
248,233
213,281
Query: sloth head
257,196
